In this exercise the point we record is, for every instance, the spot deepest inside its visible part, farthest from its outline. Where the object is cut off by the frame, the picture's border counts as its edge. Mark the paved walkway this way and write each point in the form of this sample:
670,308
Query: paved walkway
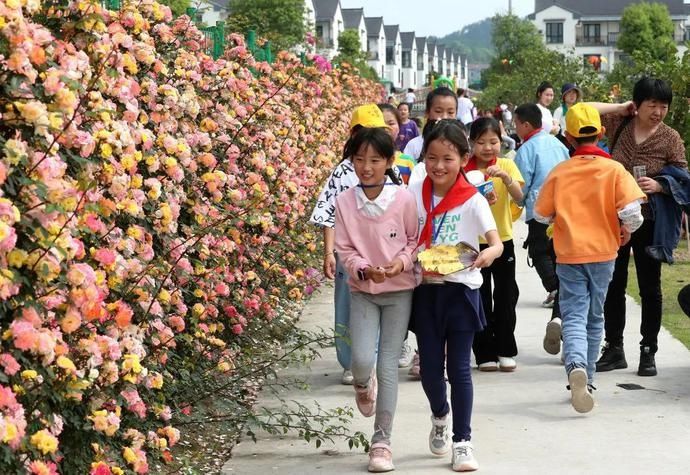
522,422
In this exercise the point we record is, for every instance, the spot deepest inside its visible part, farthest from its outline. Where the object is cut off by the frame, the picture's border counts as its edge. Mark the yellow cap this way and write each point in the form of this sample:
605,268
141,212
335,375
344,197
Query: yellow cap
582,120
368,115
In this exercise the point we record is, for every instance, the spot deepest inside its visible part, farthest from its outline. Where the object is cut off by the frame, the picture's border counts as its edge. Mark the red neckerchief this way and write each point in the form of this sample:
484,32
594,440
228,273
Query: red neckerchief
472,165
590,150
460,192
530,135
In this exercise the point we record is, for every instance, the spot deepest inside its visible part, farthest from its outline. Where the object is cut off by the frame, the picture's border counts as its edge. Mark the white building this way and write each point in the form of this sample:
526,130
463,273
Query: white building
463,77
328,26
422,61
353,18
590,28
393,55
433,58
409,60
441,63
376,46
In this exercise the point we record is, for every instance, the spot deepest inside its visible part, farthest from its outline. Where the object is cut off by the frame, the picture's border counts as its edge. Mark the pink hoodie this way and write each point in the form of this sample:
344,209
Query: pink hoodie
363,241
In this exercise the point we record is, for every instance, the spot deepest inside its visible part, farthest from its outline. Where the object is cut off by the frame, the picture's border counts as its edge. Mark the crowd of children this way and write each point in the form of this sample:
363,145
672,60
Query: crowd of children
451,189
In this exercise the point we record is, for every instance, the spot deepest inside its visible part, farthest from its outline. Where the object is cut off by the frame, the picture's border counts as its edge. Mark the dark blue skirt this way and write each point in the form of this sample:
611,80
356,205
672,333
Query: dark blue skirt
450,306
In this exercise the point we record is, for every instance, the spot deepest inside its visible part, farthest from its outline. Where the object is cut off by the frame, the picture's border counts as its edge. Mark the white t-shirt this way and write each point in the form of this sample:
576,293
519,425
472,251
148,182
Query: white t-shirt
559,117
546,119
414,148
462,223
465,106
418,174
410,97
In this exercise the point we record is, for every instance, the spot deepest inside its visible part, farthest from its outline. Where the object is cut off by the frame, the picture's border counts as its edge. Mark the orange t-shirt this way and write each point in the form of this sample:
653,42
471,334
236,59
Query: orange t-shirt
583,195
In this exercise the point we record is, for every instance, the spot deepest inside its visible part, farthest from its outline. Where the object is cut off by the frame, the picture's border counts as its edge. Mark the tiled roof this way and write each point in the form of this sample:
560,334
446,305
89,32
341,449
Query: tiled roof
391,31
325,9
606,7
407,39
374,24
352,17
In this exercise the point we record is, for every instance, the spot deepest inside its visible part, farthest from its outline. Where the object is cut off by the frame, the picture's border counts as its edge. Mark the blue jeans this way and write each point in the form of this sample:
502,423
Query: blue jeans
342,316
582,293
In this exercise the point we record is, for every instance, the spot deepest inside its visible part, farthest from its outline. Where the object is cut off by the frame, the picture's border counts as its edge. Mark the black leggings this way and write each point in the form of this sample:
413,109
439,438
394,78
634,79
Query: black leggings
648,272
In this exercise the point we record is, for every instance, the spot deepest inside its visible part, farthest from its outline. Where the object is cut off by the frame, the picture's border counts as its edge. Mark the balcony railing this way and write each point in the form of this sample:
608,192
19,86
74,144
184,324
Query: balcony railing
611,39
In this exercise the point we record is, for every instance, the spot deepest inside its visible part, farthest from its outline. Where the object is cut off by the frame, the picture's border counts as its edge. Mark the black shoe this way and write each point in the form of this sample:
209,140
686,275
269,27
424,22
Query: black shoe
612,357
647,364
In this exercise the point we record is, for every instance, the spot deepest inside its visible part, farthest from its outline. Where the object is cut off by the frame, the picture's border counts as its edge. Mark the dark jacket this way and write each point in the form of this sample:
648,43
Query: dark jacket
667,209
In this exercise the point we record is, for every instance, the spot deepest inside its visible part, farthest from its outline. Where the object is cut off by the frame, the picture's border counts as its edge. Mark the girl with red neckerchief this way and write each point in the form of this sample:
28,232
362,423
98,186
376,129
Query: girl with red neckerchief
495,347
446,314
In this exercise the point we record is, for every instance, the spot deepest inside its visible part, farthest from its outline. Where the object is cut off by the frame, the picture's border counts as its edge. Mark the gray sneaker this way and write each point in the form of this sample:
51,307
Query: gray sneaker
439,438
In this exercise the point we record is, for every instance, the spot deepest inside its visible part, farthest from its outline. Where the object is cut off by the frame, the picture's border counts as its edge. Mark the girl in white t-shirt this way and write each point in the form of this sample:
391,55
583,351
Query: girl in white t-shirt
447,315
545,96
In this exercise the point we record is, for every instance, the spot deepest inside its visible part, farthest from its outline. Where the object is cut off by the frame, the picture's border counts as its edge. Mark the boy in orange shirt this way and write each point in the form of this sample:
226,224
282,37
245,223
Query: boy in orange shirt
594,204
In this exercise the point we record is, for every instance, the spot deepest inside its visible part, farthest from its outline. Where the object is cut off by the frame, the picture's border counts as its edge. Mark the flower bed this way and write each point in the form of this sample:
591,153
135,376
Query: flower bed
152,223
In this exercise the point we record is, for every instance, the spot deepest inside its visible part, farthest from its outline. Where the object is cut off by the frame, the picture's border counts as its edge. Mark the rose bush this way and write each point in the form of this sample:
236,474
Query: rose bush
152,224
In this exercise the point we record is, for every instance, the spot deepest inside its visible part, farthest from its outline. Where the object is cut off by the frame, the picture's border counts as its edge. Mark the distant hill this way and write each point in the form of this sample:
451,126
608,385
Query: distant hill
473,40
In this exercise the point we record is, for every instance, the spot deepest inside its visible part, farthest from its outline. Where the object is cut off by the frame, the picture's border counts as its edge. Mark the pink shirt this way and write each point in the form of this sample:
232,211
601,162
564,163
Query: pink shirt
363,241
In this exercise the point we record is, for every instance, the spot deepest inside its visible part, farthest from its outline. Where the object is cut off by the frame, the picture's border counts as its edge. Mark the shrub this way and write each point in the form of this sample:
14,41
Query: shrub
152,228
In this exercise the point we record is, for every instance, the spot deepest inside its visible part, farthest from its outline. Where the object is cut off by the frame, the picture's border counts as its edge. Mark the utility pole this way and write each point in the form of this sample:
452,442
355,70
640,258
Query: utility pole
510,7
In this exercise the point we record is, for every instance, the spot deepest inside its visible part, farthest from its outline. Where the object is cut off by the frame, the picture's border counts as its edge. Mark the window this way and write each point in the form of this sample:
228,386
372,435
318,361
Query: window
407,59
554,32
592,33
390,55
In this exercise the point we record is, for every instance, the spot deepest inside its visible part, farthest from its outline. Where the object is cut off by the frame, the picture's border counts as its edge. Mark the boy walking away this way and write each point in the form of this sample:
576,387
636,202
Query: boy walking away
587,198
536,157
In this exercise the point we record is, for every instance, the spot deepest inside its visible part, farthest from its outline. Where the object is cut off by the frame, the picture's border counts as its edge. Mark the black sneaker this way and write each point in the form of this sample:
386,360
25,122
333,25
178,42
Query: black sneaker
647,363
612,357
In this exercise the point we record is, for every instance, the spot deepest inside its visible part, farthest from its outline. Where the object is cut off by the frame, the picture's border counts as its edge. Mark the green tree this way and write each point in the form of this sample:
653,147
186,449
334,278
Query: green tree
350,51
523,61
178,7
474,40
647,27
281,22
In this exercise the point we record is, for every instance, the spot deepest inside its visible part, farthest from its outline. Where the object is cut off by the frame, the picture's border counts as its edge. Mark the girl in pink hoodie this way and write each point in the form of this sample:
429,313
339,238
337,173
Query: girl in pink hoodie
376,237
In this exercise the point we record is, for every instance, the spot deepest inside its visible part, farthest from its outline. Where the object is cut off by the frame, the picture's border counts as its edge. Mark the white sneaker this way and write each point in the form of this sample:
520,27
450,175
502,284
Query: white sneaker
406,355
507,364
488,367
463,457
347,378
580,397
552,337
439,438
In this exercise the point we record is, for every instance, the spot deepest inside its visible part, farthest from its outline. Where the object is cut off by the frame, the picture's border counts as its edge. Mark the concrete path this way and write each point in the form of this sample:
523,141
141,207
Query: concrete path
522,421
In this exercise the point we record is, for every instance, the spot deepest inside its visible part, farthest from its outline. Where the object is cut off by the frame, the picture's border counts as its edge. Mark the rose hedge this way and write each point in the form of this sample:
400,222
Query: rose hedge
153,208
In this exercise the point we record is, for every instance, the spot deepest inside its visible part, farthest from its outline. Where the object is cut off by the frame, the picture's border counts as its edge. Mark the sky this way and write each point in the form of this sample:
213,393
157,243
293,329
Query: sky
436,17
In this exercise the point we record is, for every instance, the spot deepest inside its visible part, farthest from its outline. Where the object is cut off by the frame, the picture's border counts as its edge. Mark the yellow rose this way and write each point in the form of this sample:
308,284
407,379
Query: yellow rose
129,455
29,374
106,150
66,364
44,441
128,162
10,428
17,258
